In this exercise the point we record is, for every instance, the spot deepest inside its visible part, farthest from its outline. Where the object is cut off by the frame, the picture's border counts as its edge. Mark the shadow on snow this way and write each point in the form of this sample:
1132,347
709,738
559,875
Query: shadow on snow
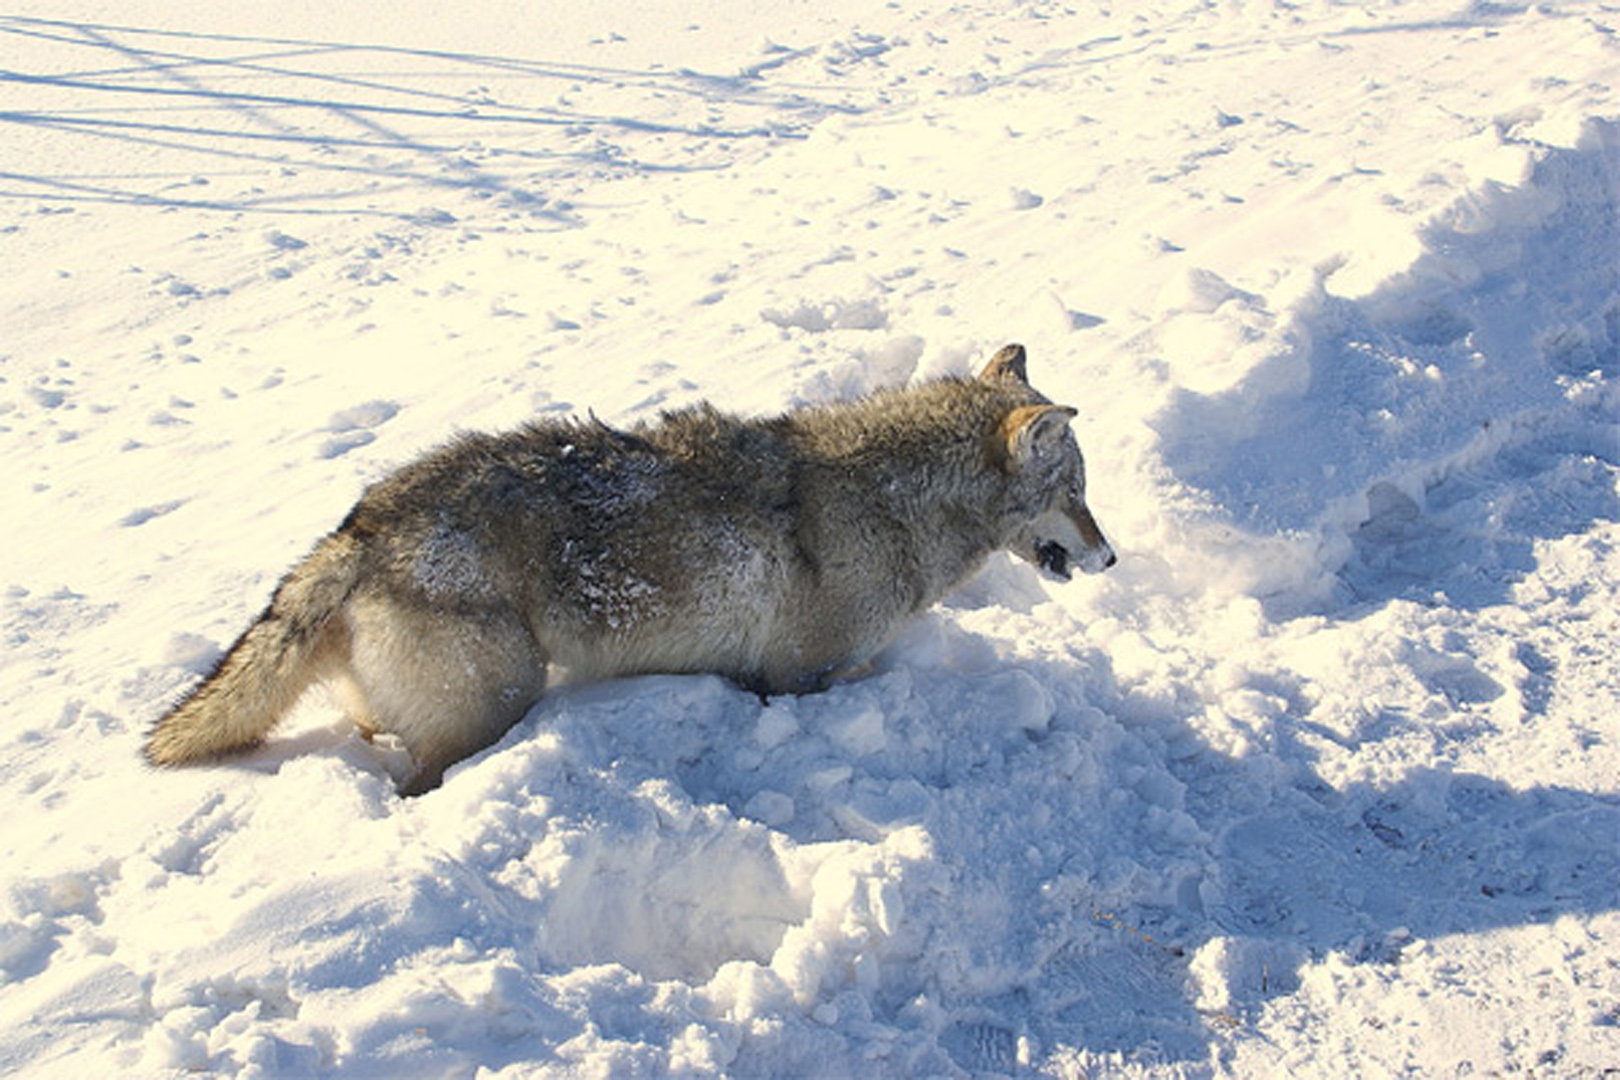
1428,432
330,110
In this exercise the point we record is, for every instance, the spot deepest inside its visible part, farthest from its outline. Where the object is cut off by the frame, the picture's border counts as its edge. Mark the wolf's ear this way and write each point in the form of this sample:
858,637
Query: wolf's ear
1029,429
1008,363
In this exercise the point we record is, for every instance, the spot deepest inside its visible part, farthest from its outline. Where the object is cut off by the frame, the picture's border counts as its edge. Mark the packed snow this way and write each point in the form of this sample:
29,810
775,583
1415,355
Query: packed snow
1323,779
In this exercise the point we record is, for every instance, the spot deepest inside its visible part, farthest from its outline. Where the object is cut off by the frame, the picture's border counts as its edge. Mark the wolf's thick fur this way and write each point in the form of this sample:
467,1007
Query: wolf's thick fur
777,552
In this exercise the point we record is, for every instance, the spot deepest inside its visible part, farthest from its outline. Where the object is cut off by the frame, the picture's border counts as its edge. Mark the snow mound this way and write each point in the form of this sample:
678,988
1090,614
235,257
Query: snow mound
1500,340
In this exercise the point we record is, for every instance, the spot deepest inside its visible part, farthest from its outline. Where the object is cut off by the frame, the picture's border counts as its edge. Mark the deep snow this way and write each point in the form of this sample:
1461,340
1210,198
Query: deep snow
1322,780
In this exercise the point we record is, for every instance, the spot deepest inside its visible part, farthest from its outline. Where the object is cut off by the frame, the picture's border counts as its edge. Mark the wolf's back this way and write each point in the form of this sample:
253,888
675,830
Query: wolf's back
262,675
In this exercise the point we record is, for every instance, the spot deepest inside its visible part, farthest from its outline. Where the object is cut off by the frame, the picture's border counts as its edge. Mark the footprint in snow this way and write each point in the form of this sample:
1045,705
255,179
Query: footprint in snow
193,653
141,515
1024,199
283,241
980,1047
351,427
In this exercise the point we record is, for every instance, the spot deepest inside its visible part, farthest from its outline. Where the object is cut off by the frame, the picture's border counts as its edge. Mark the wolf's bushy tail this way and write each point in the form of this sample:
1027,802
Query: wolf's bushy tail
260,678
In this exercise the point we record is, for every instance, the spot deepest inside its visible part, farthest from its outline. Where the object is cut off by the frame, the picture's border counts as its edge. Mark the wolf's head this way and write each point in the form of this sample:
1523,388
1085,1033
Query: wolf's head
1049,524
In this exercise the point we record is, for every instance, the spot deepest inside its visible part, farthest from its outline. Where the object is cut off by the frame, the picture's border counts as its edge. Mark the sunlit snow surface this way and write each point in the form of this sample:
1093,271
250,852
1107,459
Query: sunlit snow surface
1323,779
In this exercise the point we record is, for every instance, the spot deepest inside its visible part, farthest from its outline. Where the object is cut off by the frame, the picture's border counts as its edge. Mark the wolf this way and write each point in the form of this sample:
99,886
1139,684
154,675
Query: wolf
779,552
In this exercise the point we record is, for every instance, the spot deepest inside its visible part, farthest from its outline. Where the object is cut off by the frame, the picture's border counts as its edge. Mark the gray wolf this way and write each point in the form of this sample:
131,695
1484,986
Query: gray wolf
778,552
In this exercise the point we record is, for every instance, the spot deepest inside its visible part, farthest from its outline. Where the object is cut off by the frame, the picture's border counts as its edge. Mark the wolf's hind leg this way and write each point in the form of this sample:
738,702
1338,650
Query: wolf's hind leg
447,683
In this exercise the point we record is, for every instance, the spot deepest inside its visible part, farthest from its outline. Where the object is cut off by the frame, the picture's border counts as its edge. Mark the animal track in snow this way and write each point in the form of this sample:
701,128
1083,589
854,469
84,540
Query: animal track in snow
353,427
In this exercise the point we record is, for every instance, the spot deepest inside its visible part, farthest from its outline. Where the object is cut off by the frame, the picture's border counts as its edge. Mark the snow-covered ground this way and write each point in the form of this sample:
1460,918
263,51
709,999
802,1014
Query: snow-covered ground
1322,780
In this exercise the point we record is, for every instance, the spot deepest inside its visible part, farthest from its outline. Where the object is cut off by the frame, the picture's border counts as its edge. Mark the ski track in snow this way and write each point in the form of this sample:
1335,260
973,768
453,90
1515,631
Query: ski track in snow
1322,780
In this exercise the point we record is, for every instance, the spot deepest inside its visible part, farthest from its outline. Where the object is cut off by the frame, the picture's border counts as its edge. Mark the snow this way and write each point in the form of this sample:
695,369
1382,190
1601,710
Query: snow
1323,779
